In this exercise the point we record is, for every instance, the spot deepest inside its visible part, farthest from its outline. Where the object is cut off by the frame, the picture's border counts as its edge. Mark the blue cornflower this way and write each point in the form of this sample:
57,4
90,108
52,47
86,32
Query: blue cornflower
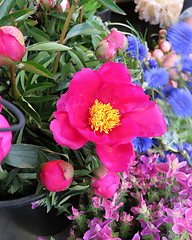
142,144
189,86
156,77
180,101
187,147
135,48
186,64
151,63
180,36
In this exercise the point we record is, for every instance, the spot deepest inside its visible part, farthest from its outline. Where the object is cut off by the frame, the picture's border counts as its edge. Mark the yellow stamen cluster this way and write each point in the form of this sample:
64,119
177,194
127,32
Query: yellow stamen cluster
103,117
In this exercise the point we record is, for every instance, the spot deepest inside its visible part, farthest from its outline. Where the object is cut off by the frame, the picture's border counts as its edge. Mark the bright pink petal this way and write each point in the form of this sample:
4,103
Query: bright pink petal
64,134
115,71
116,37
14,50
5,138
162,167
149,119
116,158
178,229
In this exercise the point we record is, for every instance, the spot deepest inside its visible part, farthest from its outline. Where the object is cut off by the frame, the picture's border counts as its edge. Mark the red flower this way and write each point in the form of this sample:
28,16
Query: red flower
104,107
56,175
12,46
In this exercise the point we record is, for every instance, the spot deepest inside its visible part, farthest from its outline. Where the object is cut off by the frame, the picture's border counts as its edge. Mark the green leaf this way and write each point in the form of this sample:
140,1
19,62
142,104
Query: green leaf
38,86
17,16
112,6
35,68
29,110
5,7
48,46
77,60
81,29
40,99
24,156
36,33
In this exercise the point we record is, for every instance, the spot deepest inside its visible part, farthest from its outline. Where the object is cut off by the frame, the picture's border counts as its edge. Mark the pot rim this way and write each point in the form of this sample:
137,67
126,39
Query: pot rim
21,201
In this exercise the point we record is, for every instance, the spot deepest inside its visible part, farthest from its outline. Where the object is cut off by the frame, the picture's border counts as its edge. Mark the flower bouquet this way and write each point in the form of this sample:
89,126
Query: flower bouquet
105,120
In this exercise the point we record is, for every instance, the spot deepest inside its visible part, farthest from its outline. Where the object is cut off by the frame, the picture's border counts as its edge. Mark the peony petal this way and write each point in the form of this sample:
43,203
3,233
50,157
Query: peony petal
116,158
115,71
64,134
149,119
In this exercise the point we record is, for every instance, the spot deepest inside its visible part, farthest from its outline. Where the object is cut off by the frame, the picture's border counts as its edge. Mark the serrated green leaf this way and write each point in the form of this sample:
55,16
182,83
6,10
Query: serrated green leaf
82,29
5,7
112,6
48,46
24,156
35,68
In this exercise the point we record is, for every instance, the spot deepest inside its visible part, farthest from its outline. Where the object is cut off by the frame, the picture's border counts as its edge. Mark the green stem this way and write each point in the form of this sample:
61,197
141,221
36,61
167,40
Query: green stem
62,37
15,91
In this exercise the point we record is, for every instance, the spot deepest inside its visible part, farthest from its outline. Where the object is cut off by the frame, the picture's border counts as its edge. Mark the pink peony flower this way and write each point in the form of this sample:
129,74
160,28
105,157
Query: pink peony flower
45,4
56,175
12,47
118,38
104,107
106,184
63,6
5,137
106,50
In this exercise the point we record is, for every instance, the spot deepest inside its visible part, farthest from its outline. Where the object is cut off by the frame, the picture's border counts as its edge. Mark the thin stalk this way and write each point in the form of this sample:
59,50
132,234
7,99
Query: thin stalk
62,37
14,89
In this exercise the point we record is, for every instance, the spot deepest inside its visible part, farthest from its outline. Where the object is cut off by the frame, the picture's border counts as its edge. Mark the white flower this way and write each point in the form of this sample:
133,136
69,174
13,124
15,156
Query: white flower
162,12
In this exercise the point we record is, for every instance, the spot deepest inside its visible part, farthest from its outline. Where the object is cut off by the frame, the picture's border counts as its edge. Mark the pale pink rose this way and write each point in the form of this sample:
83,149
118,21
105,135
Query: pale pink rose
12,46
56,175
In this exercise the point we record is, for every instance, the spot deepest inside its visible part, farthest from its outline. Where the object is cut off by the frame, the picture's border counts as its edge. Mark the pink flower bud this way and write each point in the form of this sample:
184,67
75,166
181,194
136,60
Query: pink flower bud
165,46
118,38
56,175
106,50
5,137
106,184
12,46
157,54
64,6
45,4
162,32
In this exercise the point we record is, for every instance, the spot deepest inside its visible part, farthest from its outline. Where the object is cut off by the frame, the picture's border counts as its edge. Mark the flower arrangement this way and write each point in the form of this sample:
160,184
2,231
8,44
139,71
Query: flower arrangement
105,120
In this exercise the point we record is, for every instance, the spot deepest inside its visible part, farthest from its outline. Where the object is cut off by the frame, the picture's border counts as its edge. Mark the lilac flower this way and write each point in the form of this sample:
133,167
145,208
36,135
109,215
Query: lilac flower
180,35
99,230
180,101
135,48
156,77
36,204
150,229
75,213
110,209
126,218
142,144
136,236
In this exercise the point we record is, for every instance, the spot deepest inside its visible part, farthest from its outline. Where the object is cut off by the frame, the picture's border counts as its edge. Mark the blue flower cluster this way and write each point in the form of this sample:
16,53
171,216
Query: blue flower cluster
135,48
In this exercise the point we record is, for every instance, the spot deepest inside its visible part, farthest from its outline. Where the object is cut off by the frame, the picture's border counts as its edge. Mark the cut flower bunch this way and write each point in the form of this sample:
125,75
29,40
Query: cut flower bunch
105,120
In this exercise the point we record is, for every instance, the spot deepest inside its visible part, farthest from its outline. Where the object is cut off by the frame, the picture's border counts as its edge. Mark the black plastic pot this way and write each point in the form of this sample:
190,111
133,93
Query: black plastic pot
36,221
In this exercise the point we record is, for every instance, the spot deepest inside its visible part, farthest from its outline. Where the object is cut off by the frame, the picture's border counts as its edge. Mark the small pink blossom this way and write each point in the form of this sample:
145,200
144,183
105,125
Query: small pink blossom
126,218
106,184
75,213
136,236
